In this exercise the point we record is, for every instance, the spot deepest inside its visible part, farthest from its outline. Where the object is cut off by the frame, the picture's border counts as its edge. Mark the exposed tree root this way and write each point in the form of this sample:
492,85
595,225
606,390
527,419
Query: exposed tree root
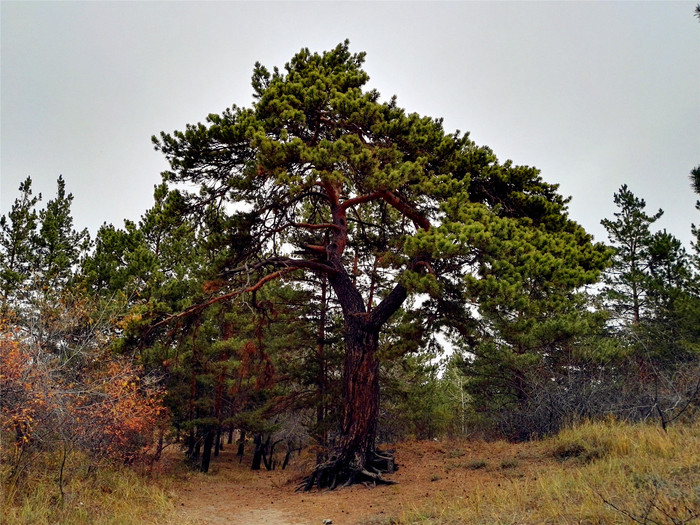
335,473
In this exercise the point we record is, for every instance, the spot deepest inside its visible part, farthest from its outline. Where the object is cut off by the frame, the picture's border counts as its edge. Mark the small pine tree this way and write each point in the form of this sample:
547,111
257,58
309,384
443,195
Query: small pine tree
627,281
18,239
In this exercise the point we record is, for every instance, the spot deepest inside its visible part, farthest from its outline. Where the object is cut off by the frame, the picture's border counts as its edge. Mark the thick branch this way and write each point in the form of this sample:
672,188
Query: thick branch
418,218
389,305
331,193
339,239
288,265
395,299
317,248
361,199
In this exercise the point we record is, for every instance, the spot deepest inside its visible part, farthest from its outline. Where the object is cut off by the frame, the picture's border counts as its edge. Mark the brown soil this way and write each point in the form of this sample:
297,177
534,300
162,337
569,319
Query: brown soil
232,493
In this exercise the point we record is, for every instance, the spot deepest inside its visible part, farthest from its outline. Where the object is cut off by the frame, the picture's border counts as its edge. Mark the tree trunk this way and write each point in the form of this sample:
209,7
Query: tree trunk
241,445
356,458
258,452
197,448
360,396
217,443
321,379
191,442
206,453
287,456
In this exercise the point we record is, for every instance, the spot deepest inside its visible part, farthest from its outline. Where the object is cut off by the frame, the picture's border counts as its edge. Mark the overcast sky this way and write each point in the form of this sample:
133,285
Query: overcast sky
593,94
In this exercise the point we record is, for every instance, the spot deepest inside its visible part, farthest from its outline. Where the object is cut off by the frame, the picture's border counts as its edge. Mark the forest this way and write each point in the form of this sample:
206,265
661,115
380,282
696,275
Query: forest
327,272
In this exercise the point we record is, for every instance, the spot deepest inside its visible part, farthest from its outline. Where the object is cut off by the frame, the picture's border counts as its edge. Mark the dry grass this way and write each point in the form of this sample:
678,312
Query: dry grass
595,473
106,496
602,473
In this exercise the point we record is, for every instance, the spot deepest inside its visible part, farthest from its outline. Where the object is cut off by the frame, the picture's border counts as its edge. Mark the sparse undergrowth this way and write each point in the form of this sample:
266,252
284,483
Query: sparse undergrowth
104,495
595,473
605,472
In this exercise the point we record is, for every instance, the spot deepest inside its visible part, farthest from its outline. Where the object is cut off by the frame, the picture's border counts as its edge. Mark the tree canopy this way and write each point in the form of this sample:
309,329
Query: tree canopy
319,175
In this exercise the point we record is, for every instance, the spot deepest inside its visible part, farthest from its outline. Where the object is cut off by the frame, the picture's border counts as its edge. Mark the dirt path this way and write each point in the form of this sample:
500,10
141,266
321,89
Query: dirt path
233,494
228,496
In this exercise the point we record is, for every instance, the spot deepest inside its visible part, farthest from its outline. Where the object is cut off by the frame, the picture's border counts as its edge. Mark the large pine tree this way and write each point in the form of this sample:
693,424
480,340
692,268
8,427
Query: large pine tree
320,176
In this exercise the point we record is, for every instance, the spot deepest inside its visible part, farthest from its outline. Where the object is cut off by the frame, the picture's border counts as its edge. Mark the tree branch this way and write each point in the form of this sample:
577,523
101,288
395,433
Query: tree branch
284,262
317,248
315,226
288,266
389,305
418,218
201,306
360,199
392,302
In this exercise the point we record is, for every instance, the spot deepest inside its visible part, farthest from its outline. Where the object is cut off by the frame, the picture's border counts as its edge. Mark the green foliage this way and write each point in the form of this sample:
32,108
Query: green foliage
695,184
17,251
628,279
320,177
59,247
40,253
652,279
313,125
532,335
415,404
322,217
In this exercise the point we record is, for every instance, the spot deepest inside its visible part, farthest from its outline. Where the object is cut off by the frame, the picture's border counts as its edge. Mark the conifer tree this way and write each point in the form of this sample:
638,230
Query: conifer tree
59,247
654,297
41,253
320,177
65,387
18,244
651,273
695,184
630,235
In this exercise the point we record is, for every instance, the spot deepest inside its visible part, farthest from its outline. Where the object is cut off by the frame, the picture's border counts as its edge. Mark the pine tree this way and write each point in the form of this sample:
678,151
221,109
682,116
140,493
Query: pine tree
18,247
59,247
695,184
628,279
328,180
654,296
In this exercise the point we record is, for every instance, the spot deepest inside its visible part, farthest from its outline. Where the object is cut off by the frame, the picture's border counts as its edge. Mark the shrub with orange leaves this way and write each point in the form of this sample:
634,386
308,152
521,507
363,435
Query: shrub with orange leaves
102,404
22,393
120,411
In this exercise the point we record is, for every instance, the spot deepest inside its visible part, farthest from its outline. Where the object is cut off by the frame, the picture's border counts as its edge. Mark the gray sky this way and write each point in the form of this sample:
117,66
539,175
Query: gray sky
593,94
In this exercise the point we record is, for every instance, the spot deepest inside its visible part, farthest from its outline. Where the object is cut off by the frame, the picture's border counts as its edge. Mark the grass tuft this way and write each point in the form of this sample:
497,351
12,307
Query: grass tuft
510,464
476,464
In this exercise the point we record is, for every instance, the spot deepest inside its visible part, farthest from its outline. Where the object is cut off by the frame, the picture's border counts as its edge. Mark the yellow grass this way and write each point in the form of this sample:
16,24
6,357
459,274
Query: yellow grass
106,496
595,473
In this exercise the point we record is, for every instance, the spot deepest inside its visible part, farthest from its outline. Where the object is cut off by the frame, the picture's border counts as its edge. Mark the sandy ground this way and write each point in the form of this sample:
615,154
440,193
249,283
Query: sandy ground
233,494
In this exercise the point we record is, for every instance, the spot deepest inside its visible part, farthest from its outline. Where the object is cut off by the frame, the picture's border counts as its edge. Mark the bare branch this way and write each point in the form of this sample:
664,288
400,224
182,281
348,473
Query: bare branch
315,226
202,306
284,262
